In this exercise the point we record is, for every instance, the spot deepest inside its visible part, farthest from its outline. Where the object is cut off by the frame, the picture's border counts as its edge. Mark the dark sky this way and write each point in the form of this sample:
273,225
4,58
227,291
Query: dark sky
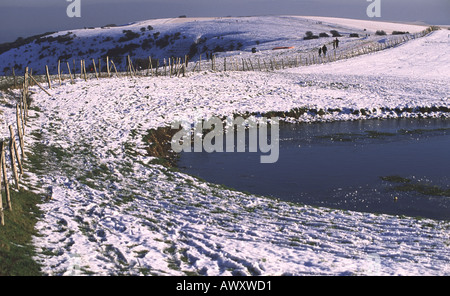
23,18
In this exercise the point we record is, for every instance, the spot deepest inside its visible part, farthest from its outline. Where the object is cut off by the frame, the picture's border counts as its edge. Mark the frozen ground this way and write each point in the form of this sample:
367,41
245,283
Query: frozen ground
113,212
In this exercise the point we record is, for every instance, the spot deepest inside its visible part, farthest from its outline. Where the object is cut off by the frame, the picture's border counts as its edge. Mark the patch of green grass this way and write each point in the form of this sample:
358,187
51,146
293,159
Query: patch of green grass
218,210
340,137
422,131
425,189
88,177
295,239
170,250
141,254
395,179
408,186
44,157
16,249
376,134
160,161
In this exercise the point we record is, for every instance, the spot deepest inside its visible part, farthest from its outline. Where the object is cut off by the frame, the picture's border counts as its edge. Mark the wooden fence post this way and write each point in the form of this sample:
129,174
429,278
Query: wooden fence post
2,215
100,68
195,67
5,177
22,109
84,70
95,68
12,155
15,79
48,77
20,131
26,81
115,69
251,64
70,74
150,66
165,67
131,67
37,83
59,72
107,66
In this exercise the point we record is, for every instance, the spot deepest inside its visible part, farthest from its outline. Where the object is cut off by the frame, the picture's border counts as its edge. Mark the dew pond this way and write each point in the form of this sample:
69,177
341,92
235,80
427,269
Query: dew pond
395,166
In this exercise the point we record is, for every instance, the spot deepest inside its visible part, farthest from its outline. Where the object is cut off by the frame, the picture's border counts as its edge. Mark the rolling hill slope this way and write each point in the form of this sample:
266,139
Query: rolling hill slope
164,38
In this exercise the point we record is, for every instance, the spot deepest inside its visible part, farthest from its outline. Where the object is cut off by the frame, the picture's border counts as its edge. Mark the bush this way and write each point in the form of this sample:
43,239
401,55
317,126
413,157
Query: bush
380,33
121,51
146,44
219,48
129,35
399,33
149,28
141,64
310,35
354,35
324,35
163,42
193,49
335,33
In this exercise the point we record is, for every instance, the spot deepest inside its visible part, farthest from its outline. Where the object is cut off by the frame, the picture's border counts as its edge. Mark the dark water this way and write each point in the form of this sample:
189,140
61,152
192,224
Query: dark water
342,165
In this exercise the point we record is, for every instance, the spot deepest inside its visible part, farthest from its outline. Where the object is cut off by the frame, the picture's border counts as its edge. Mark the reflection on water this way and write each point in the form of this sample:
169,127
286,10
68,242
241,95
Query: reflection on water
399,166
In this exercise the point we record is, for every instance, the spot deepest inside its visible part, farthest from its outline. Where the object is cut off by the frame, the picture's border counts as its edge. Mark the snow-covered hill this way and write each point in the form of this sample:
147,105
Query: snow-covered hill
164,38
112,211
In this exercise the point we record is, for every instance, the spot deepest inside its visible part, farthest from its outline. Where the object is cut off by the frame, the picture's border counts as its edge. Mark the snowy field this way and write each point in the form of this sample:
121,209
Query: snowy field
113,212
